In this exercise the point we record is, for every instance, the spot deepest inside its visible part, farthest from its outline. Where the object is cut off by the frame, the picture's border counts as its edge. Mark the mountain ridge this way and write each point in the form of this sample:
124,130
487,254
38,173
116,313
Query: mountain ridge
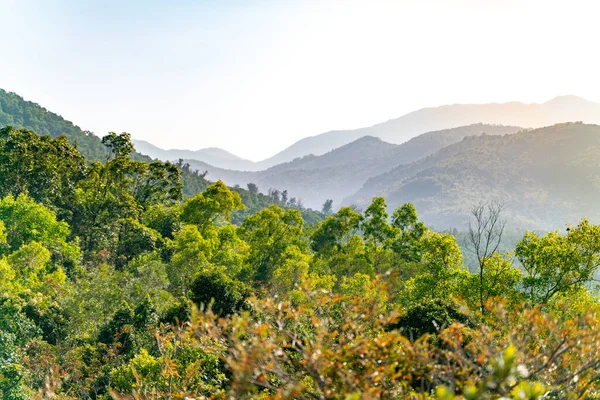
214,156
428,119
342,171
547,176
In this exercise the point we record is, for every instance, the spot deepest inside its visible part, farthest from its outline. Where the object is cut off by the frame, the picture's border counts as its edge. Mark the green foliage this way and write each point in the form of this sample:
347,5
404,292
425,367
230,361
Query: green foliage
223,294
429,317
44,168
133,240
142,367
127,329
409,233
292,272
104,267
121,189
335,230
25,220
191,253
557,263
269,233
216,203
165,219
375,224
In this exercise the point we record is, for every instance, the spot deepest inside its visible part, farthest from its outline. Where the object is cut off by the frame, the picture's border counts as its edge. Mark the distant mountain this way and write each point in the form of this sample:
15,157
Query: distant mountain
341,172
212,155
545,177
399,130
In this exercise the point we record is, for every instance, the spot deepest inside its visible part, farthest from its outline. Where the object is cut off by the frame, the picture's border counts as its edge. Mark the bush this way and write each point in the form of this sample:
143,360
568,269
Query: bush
429,317
224,293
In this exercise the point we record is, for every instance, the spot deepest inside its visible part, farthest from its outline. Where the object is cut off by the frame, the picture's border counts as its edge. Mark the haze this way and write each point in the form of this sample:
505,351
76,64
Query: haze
253,77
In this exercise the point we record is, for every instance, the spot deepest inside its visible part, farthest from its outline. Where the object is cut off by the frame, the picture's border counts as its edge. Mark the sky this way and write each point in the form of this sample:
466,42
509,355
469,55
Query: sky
254,76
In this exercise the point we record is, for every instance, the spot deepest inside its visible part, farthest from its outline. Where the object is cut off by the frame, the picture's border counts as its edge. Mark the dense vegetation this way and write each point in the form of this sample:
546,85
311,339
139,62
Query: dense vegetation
547,177
113,285
19,113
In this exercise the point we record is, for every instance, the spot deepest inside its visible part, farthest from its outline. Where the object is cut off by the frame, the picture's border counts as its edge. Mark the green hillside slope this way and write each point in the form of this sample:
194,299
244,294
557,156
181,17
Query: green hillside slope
341,172
545,177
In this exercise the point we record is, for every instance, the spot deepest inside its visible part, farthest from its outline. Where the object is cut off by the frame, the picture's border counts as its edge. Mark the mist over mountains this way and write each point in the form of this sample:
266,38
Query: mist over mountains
546,178
341,172
445,171
399,130
211,155
442,159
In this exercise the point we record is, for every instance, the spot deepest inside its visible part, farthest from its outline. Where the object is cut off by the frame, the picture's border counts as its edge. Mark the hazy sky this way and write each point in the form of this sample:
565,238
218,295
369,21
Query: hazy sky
253,77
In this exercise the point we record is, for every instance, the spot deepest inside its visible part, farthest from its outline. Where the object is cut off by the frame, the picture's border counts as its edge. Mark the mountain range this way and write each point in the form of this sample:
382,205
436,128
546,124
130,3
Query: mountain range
545,178
547,173
341,172
211,155
399,130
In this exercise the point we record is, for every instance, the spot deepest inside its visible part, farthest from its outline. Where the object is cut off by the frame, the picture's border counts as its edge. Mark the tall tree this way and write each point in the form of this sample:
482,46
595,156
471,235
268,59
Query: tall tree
46,169
217,202
327,207
558,263
485,230
269,233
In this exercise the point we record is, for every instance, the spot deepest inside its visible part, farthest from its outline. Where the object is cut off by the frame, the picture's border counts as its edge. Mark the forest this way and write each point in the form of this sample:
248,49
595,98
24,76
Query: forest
116,285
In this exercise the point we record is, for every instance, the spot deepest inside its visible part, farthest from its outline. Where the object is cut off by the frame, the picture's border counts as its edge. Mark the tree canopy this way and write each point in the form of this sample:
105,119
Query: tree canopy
116,285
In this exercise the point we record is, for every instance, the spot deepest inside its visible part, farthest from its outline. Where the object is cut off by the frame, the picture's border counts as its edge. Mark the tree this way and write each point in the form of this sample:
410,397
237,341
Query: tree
327,207
217,202
558,263
191,253
483,238
409,231
335,230
269,233
292,271
501,279
224,294
118,145
121,188
133,239
274,194
44,168
439,272
24,221
165,219
375,222
156,183
252,188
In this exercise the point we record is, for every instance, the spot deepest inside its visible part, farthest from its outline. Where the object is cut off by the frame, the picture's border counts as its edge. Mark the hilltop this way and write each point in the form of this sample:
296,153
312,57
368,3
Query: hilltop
402,129
341,172
546,178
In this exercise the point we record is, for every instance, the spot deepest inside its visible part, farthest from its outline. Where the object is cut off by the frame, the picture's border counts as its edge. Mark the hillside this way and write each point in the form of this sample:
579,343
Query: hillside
399,130
19,113
545,177
212,155
342,171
